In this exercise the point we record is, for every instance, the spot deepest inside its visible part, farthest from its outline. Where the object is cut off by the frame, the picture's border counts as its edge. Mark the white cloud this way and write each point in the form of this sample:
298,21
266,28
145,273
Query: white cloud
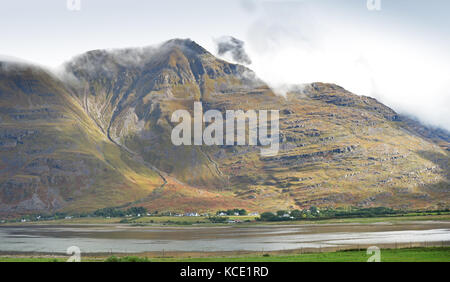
409,74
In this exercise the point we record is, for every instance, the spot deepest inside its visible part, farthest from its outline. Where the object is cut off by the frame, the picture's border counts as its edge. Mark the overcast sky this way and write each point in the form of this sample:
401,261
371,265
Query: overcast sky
398,54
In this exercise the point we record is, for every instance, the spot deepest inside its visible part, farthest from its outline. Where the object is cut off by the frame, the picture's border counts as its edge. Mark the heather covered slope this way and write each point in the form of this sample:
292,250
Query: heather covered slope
337,149
52,154
100,137
131,94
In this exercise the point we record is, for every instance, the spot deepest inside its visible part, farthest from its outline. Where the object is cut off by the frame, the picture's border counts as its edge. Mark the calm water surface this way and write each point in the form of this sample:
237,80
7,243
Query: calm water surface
128,239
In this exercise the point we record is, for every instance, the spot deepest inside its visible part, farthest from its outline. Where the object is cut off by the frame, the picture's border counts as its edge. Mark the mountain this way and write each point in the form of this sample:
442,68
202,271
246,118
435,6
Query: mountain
98,135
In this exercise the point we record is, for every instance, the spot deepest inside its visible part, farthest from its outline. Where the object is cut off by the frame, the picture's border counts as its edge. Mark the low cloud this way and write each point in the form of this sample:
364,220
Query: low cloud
299,43
228,45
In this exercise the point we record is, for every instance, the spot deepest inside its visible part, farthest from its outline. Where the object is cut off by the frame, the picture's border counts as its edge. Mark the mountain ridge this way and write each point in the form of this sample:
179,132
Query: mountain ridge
110,112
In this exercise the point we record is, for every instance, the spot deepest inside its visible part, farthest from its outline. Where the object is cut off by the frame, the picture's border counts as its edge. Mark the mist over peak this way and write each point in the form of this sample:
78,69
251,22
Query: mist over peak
234,47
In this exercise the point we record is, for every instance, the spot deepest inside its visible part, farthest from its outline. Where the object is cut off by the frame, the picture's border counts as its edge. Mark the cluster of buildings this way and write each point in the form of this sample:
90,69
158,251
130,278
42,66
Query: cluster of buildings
195,214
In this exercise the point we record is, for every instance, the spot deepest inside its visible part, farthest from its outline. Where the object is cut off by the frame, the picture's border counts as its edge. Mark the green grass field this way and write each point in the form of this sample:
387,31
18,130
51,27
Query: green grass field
432,254
389,255
30,259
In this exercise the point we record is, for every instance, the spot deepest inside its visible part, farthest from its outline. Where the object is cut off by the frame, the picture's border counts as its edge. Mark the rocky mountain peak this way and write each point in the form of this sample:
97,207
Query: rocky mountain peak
186,45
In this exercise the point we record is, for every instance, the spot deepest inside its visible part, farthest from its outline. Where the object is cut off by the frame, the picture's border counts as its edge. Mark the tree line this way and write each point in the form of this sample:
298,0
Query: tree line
330,213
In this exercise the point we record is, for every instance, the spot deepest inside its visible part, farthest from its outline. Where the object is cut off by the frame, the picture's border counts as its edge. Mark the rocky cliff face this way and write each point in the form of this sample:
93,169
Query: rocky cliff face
100,137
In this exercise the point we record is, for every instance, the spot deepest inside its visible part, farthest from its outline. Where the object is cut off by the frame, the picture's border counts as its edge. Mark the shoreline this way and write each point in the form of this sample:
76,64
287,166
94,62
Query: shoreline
197,221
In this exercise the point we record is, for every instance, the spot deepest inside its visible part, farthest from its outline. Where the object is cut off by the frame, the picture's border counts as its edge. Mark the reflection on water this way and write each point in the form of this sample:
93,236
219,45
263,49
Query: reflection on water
128,239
